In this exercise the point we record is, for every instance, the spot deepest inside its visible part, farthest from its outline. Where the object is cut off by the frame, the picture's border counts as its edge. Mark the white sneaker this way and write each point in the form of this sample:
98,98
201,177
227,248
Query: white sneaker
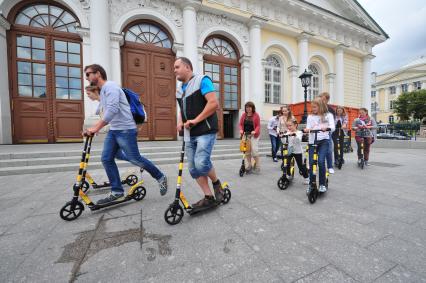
331,171
322,189
306,181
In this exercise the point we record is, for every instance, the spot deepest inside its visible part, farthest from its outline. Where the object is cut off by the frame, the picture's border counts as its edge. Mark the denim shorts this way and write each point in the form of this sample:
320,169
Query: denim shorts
198,152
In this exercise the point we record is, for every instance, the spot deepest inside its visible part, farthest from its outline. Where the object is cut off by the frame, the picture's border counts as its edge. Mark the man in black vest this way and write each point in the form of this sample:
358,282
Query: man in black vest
198,119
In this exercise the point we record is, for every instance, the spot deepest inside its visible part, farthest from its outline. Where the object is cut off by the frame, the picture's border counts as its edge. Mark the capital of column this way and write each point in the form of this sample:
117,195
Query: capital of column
293,70
340,48
330,77
190,5
244,61
4,23
256,22
304,36
368,57
177,48
117,37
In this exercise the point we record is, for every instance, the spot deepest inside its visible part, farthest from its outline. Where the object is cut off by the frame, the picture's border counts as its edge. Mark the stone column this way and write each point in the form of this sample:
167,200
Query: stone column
295,82
256,72
5,114
99,34
190,32
245,80
303,44
386,105
366,81
330,78
117,41
339,90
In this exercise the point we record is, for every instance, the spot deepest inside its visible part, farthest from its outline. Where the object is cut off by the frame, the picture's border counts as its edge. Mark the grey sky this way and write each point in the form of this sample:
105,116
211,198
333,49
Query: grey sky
405,23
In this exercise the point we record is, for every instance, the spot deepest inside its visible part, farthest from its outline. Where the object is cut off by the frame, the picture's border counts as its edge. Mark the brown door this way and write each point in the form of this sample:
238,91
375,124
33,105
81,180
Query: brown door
149,72
46,88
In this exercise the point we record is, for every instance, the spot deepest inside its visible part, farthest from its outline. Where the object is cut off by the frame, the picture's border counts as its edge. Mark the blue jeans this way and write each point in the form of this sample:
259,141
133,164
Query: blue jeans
322,149
329,156
275,142
125,141
198,151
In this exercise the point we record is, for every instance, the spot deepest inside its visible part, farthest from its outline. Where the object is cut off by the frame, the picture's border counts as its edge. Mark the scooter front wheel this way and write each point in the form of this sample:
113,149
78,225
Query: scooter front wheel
131,180
139,193
313,195
283,183
242,171
226,195
71,211
173,214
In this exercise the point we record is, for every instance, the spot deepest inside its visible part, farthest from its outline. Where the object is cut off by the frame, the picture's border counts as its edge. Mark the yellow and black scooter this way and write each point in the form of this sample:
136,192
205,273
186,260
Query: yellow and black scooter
74,208
129,179
313,190
288,173
174,213
244,147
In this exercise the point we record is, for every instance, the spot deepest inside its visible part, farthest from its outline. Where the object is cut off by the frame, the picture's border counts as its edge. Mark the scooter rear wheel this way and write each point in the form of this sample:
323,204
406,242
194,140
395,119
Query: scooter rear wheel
173,214
226,195
283,183
71,211
313,195
139,193
339,164
131,180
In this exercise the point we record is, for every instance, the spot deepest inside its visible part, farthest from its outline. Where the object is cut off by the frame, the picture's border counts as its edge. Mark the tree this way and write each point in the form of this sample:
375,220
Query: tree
411,105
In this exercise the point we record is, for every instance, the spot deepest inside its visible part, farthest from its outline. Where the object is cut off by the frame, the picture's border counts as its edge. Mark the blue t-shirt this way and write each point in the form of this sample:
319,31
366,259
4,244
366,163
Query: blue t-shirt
206,86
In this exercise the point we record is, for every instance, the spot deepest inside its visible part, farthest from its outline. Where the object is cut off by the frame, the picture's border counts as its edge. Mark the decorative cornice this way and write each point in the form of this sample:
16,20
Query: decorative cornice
117,37
256,21
83,32
245,61
4,23
304,36
340,47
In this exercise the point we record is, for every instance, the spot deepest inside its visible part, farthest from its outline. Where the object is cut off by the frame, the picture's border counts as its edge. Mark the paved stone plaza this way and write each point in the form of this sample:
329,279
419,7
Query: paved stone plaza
369,227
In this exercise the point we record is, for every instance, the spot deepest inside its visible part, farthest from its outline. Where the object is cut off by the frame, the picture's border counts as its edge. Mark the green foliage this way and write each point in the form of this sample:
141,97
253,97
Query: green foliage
411,105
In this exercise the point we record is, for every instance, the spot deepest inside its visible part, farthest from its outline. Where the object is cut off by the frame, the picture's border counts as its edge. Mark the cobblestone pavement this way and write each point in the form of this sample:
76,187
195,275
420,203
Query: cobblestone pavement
369,227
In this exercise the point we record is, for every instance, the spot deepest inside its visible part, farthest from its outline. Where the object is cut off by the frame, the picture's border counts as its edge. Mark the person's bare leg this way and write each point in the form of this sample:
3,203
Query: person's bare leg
204,185
248,162
212,175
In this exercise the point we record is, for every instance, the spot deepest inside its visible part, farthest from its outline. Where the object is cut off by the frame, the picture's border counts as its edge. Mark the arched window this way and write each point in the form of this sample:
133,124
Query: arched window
148,33
46,73
220,47
273,84
314,89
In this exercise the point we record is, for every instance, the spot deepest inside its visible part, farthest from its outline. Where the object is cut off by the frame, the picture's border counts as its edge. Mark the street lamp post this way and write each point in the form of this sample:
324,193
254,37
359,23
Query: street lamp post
306,82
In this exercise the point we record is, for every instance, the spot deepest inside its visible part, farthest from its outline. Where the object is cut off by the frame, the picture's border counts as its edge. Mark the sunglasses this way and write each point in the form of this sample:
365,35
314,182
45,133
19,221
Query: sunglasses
88,74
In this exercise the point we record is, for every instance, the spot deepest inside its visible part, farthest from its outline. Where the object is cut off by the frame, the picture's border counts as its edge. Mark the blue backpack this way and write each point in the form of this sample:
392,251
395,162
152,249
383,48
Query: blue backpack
136,107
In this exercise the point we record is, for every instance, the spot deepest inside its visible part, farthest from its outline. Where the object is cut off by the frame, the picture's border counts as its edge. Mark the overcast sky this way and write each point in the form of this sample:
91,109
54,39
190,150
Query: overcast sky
405,23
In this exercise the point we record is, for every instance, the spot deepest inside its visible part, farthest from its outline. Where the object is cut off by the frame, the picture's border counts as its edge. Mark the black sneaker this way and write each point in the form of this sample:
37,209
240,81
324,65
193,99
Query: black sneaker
218,191
207,201
110,198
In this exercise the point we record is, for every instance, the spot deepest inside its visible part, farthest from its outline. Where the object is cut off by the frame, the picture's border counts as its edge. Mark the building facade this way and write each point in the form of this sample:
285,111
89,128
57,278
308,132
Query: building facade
252,50
386,88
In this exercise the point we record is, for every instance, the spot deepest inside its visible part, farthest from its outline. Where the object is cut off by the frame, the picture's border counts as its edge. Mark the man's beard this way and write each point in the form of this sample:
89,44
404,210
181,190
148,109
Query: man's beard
94,82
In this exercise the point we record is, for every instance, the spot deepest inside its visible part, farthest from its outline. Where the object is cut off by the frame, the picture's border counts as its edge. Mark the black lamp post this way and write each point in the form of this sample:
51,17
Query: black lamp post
306,82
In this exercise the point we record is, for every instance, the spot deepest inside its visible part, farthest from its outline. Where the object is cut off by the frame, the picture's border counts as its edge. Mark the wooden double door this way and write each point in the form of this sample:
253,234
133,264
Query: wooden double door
148,71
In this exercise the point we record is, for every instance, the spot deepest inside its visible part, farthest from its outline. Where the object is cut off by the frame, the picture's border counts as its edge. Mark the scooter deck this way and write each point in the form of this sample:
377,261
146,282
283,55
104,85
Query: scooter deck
99,206
106,184
202,209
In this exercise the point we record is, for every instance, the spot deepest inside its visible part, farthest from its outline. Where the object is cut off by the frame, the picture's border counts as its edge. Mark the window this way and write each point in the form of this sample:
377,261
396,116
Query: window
417,85
391,104
148,33
392,90
391,119
220,47
314,89
273,83
373,93
404,88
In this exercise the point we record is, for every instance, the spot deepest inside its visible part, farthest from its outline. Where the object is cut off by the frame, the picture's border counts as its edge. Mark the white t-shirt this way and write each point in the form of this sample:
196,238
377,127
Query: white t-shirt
295,143
314,123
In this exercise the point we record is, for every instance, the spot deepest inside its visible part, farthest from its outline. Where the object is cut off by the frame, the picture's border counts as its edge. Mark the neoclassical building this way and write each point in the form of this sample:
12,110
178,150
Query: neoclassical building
252,50
386,88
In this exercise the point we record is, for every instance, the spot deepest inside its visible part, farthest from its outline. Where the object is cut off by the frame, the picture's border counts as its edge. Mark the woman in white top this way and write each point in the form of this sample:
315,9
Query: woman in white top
319,119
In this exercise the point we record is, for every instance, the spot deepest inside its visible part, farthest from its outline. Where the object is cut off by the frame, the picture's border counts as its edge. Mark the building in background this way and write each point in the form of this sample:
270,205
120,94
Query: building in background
386,88
253,51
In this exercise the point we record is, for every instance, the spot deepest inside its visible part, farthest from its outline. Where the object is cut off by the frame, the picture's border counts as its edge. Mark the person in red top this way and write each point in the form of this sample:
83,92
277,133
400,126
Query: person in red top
250,126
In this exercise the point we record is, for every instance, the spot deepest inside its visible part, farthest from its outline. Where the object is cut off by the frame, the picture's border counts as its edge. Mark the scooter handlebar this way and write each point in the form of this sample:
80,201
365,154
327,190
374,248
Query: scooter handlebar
317,131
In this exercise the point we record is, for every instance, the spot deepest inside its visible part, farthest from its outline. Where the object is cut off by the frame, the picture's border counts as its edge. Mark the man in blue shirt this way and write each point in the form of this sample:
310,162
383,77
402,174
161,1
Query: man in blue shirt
198,119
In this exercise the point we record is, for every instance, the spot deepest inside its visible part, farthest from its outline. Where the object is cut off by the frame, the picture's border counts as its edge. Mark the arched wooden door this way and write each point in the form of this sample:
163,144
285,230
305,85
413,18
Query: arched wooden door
147,63
221,64
45,68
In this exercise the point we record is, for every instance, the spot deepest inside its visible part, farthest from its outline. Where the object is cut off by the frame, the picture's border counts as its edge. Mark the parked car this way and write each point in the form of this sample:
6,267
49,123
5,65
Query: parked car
386,136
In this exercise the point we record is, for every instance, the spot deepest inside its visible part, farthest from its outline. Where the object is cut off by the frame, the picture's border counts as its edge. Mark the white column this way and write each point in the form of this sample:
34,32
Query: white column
366,81
410,87
178,50
386,106
256,72
303,43
423,85
200,61
245,80
330,78
5,114
295,82
190,32
339,90
99,34
116,41
398,90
